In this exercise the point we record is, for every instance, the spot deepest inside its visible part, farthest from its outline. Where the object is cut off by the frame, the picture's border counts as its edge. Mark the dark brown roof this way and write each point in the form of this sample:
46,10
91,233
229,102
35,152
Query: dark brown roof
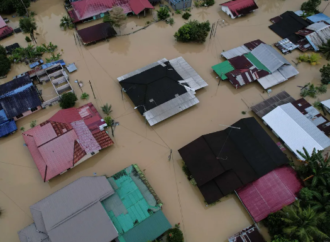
96,33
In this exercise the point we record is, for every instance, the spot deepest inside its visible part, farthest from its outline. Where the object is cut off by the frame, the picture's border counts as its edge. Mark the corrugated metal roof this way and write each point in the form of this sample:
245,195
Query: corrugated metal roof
296,130
288,71
256,62
148,230
7,128
96,33
31,234
222,69
272,80
319,37
138,6
326,103
238,7
238,51
318,17
317,26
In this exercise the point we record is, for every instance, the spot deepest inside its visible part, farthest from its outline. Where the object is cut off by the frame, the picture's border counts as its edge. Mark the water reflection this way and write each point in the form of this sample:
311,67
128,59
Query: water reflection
120,45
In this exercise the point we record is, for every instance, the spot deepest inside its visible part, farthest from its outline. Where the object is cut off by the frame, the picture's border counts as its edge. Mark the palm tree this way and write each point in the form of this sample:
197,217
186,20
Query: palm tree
106,109
325,50
28,25
303,223
66,23
321,200
318,167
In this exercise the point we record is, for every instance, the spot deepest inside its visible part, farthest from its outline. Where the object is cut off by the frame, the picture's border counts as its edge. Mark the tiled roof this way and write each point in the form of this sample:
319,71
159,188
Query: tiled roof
78,153
103,139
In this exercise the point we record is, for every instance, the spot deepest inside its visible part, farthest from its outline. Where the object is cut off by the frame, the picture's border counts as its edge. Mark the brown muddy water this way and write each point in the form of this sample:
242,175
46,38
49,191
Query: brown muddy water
149,147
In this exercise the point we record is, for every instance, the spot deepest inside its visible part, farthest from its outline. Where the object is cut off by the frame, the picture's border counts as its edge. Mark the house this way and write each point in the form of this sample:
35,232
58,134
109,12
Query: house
270,193
7,126
318,18
326,105
96,33
66,140
11,48
295,129
180,4
162,89
249,234
318,34
19,98
5,30
238,8
254,61
122,208
224,161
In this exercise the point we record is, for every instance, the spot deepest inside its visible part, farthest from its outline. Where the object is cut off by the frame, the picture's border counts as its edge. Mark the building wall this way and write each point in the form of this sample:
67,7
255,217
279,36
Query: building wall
27,113
227,11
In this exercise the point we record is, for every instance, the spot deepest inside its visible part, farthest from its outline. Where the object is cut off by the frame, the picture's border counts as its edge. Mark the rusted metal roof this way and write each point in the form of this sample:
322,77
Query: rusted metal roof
96,33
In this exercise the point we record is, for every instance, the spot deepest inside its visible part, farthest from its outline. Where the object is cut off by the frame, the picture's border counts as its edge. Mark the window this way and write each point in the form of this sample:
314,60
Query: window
34,109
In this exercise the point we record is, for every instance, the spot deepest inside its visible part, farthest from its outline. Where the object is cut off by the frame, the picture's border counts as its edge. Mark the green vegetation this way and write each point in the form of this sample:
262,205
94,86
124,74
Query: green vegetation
27,39
163,13
317,104
2,50
325,50
243,112
186,15
311,6
84,96
178,11
68,100
28,25
307,220
66,23
11,6
312,91
22,129
209,2
107,109
171,21
193,31
313,59
325,74
33,123
54,57
186,171
117,16
108,121
175,234
4,65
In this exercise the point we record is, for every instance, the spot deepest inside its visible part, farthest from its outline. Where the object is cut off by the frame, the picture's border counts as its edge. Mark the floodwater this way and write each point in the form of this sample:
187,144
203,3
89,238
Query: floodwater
135,142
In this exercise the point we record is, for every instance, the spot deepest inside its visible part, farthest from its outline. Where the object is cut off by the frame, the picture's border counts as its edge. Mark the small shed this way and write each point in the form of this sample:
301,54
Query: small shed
180,4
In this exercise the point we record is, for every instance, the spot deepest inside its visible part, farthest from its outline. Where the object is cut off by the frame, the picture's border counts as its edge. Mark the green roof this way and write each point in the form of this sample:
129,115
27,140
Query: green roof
222,69
149,230
256,62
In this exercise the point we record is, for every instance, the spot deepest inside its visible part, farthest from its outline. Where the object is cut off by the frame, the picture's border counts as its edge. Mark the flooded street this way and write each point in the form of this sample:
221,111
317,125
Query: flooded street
135,142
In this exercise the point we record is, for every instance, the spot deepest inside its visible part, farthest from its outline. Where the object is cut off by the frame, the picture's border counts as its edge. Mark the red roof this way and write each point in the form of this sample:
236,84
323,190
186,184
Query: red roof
139,5
238,7
5,31
270,193
63,140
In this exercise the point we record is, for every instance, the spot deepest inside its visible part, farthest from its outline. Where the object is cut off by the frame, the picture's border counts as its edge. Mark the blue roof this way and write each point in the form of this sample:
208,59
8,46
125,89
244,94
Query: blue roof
7,128
3,116
44,66
318,17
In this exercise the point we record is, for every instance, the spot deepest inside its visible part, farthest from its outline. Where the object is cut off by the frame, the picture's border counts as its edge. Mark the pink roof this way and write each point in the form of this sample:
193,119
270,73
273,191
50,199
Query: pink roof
5,31
270,193
60,142
2,23
238,7
139,5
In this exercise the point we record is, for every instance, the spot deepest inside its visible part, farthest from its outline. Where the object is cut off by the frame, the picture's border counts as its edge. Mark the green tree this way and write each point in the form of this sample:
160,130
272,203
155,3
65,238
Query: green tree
303,223
33,123
28,25
68,100
325,74
4,65
318,169
325,50
280,238
175,234
2,50
163,13
66,23
106,109
311,6
117,16
11,6
274,224
193,31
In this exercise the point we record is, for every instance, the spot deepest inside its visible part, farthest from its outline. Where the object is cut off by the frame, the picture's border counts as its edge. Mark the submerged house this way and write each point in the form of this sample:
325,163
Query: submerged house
96,33
316,34
270,193
121,208
260,62
5,30
295,129
224,161
249,234
66,140
162,89
238,8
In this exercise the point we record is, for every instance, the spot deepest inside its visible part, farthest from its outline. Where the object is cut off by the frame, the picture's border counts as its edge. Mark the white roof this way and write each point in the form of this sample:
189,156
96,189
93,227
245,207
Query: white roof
272,80
238,51
295,129
317,26
326,103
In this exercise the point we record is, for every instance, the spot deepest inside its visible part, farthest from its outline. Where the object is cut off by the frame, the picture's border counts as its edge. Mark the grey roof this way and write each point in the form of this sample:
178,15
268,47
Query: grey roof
317,26
30,234
61,213
268,56
238,51
288,71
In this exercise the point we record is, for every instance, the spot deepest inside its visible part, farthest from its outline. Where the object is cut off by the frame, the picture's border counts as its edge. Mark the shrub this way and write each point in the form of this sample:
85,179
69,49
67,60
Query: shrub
186,171
22,129
305,194
27,39
171,21
280,238
107,109
68,100
322,88
317,104
325,74
178,11
193,31
163,13
4,65
33,123
186,15
3,50
108,121
274,224
175,234
209,2
313,59
198,3
311,6
84,96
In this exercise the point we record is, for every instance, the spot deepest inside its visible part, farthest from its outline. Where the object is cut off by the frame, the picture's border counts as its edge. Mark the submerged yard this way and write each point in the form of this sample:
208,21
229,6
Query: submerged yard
138,143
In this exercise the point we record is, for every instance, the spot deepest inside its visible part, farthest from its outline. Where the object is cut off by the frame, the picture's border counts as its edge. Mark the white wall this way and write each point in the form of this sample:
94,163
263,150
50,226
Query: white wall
227,11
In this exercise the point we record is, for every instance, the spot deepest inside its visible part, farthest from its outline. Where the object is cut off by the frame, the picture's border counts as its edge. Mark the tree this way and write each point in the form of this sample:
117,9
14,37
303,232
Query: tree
193,31
280,238
274,224
66,23
10,6
2,50
33,123
318,168
325,50
117,16
311,6
4,65
106,109
175,234
68,100
303,223
163,13
28,25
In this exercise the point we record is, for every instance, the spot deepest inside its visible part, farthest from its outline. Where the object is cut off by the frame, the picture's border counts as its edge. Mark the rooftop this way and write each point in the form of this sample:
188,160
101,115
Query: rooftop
239,7
250,234
96,33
